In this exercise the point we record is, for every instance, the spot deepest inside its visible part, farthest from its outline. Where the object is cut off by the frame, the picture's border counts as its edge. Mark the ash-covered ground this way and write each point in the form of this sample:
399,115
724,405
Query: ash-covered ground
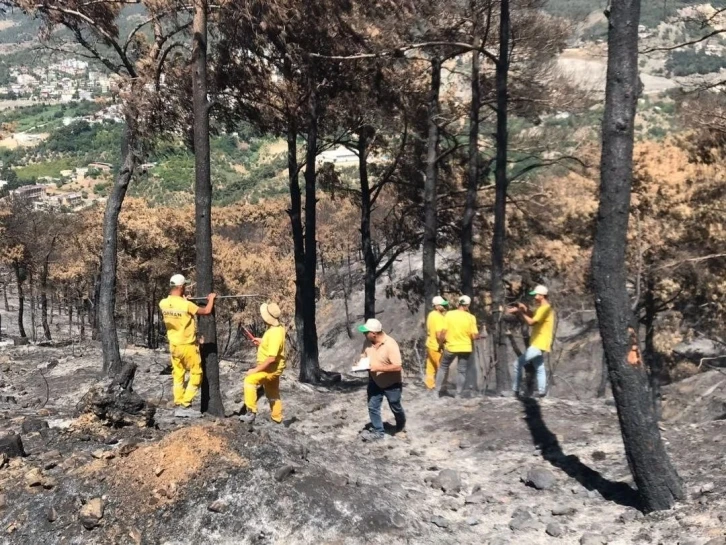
458,475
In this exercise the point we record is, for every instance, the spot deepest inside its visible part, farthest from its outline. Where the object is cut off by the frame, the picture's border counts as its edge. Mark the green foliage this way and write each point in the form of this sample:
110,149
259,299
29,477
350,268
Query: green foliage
97,142
46,117
30,173
685,62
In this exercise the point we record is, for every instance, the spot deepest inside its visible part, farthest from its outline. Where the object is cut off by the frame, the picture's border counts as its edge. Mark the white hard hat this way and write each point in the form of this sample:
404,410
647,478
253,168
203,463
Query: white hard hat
465,300
440,301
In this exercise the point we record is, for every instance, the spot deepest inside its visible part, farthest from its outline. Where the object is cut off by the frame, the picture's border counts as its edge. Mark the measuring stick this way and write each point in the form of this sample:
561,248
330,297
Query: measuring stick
224,297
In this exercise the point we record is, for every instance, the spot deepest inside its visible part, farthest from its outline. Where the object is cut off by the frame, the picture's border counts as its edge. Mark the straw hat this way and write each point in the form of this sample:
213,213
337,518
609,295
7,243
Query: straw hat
270,313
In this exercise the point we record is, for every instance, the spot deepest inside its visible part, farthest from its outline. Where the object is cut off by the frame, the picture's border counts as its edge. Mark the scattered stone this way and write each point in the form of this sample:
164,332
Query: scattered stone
522,520
158,471
448,480
50,459
128,448
439,521
91,513
284,472
592,539
476,498
111,440
628,516
464,444
540,478
599,456
217,506
289,421
472,521
553,529
3,460
707,488
51,515
49,483
97,454
34,477
30,425
563,511
12,445
3,501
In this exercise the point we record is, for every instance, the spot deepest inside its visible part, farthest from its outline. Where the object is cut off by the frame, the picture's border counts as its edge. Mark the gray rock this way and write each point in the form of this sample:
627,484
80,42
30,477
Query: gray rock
30,425
91,513
448,480
707,488
697,349
284,472
592,539
51,515
553,529
12,445
217,506
628,516
540,478
522,520
563,510
441,522
476,498
3,501
472,521
716,541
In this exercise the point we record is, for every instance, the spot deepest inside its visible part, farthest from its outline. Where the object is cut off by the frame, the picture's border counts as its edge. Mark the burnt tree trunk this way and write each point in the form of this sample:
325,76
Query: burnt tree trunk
20,278
5,298
658,483
44,297
500,204
96,297
31,286
430,277
309,362
602,387
109,258
467,220
295,213
652,358
369,283
211,398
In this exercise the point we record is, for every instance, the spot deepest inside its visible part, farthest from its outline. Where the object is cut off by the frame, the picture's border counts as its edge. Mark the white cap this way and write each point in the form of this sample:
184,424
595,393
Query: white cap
371,326
178,280
465,300
539,290
440,301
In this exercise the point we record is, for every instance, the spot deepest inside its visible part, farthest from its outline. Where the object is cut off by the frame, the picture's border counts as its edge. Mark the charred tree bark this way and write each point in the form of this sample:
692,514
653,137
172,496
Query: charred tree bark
309,362
295,213
467,220
369,305
658,483
5,298
211,397
44,297
109,258
20,278
31,286
652,358
430,277
500,203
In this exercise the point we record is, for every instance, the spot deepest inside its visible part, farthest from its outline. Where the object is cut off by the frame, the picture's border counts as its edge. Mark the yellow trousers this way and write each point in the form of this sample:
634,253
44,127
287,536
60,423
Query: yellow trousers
433,358
271,383
185,359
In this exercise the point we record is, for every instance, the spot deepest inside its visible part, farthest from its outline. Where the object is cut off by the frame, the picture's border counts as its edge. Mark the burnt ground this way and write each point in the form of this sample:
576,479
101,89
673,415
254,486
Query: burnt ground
312,480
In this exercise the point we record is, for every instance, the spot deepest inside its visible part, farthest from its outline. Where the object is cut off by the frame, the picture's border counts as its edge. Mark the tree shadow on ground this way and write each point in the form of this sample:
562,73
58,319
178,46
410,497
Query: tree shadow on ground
618,492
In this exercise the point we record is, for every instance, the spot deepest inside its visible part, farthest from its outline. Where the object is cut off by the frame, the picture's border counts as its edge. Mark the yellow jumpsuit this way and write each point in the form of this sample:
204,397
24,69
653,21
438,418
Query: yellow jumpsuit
434,324
272,345
181,331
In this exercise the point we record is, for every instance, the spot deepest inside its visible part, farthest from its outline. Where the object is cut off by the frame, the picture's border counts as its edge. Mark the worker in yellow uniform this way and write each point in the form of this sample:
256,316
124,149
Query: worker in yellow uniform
457,336
434,325
181,330
540,341
270,365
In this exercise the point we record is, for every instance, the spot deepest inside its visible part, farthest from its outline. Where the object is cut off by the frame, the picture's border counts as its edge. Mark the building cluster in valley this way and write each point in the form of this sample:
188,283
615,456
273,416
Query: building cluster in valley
47,196
65,81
